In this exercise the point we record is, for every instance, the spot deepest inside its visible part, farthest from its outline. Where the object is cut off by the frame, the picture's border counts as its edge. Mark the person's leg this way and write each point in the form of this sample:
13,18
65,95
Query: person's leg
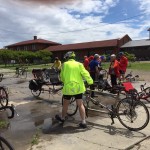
66,102
81,110
65,108
113,80
92,86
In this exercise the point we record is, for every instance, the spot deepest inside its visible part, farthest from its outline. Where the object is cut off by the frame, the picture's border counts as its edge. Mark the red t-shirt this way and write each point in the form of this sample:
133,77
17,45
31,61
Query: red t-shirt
114,67
86,64
123,63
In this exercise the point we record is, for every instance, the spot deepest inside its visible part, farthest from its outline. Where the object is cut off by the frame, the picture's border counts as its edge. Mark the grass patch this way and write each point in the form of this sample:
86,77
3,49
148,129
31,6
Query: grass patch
3,124
35,139
132,65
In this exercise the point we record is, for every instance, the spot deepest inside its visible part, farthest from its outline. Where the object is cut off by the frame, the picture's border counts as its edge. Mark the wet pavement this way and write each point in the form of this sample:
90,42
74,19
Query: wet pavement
36,118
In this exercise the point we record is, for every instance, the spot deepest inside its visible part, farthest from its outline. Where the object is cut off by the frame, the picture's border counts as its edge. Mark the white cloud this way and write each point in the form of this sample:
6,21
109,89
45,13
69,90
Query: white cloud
56,23
145,5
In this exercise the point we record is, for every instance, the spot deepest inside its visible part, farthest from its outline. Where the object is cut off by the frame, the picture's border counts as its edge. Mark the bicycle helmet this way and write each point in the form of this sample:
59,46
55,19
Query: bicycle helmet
69,55
121,53
96,56
102,57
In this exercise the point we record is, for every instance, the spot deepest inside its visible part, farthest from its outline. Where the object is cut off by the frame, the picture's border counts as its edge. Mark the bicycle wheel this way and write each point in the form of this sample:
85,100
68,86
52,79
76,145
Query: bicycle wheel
133,115
23,74
5,145
72,108
3,97
10,111
36,93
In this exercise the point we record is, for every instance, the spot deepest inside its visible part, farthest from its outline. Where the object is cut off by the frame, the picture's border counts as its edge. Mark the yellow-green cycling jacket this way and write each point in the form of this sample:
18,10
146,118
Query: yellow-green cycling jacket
72,75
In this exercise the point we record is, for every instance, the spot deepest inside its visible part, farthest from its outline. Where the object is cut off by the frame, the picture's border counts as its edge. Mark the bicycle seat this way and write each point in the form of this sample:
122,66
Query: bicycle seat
128,86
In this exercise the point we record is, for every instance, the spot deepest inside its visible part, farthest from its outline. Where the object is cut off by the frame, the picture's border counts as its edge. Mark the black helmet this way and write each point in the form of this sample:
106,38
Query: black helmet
121,53
69,54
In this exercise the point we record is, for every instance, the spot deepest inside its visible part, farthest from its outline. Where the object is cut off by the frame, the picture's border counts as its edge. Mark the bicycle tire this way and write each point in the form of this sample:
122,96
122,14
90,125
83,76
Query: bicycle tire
11,110
72,108
3,97
131,114
5,145
36,93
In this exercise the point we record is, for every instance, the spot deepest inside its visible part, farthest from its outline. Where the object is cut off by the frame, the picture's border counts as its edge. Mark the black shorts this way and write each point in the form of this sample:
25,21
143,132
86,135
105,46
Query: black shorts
121,72
68,97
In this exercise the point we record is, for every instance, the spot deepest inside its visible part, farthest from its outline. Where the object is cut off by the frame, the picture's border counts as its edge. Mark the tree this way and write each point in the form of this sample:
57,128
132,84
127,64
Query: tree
6,56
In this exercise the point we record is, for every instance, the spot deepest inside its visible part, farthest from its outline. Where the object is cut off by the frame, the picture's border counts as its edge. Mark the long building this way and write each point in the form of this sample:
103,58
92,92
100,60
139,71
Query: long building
81,49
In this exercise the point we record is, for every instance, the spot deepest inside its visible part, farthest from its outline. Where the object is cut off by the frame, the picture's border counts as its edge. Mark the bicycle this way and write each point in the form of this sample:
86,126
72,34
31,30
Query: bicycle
3,96
41,75
144,93
1,76
127,111
21,72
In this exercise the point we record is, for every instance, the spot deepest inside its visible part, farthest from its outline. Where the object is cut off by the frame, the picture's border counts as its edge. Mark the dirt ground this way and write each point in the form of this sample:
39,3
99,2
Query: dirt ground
35,122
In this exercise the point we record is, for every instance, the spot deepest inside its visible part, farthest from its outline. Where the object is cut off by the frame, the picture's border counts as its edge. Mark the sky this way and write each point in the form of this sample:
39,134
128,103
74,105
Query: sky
73,21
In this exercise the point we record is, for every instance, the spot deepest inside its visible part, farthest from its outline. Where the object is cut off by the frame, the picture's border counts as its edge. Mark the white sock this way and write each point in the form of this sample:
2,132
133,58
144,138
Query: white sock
83,121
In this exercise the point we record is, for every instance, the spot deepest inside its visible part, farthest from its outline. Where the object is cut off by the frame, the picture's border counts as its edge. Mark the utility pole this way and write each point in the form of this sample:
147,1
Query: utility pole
149,33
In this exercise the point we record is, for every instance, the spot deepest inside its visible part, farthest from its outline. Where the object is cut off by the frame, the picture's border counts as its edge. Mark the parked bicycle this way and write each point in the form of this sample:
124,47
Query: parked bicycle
45,80
21,72
144,93
132,113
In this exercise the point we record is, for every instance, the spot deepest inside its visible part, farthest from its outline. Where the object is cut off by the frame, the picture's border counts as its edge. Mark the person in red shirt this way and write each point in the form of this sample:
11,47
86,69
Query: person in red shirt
123,63
91,58
114,70
86,63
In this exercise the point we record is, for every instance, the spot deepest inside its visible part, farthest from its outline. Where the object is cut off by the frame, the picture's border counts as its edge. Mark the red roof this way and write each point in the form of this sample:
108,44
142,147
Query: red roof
86,45
33,42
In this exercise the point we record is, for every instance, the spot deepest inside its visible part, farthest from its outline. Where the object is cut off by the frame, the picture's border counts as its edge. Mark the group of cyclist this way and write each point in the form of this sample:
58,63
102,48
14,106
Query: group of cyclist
73,72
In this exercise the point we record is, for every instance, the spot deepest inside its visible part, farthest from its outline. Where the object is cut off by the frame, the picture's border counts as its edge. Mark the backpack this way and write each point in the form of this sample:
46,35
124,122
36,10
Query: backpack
35,84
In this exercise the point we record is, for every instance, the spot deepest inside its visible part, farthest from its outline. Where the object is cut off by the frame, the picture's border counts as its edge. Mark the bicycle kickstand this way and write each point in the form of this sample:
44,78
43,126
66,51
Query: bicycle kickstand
112,118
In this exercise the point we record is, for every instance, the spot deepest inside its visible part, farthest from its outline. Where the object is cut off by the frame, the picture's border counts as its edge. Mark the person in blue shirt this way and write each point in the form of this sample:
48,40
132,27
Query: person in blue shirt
94,70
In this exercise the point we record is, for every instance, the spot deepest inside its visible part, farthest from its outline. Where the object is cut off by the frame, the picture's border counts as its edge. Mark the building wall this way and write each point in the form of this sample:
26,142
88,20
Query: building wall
141,53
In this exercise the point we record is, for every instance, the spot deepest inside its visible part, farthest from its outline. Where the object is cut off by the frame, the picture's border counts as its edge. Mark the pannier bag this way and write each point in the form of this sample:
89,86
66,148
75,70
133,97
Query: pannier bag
35,84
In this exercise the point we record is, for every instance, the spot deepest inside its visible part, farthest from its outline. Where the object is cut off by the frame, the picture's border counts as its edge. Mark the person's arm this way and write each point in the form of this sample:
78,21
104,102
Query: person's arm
61,73
59,67
53,64
85,74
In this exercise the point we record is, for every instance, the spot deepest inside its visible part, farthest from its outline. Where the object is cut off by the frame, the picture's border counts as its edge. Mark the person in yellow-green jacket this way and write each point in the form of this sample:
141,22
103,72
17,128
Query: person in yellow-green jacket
72,75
